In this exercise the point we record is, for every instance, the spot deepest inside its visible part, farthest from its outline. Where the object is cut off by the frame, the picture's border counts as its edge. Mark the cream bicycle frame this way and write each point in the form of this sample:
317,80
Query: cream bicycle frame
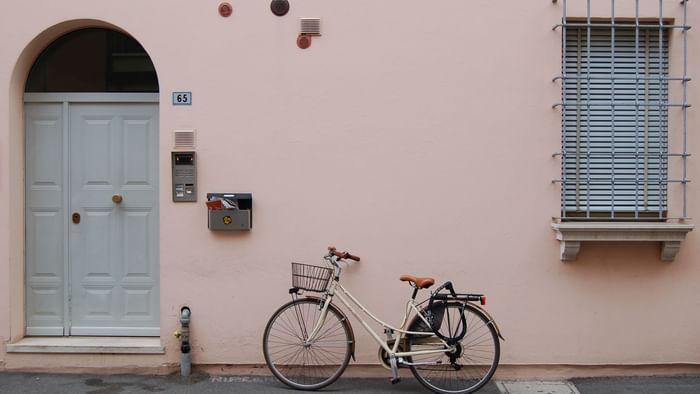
440,347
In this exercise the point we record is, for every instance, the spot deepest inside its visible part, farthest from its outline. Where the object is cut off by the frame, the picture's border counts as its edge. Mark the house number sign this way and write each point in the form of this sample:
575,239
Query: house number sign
182,98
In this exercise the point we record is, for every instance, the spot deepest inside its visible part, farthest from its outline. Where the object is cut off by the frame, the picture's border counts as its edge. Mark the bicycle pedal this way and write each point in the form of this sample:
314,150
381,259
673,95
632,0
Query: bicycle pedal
394,381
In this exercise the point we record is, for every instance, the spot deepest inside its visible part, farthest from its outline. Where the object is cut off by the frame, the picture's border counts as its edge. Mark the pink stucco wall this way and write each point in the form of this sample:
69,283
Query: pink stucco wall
418,135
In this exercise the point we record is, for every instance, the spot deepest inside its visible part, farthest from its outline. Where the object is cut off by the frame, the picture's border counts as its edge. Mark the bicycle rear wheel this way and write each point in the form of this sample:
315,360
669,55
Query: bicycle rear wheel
307,366
473,363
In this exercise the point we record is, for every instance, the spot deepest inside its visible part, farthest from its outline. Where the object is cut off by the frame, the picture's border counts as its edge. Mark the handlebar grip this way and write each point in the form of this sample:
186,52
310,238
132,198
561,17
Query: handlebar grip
341,254
345,255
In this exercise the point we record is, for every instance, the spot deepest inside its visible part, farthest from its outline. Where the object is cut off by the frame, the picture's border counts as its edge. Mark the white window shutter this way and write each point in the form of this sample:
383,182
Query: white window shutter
615,122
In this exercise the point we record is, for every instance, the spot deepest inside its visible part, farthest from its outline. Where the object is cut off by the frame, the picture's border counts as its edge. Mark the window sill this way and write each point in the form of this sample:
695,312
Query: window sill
95,345
571,234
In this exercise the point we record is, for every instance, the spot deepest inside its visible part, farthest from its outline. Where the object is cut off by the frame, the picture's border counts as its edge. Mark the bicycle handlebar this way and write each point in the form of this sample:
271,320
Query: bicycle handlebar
342,255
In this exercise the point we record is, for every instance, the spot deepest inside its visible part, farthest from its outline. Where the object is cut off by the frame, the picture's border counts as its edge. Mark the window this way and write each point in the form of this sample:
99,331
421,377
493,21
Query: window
93,60
615,120
619,179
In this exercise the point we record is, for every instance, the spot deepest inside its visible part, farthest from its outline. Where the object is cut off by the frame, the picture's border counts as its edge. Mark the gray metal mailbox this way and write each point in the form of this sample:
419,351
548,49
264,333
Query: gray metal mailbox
230,211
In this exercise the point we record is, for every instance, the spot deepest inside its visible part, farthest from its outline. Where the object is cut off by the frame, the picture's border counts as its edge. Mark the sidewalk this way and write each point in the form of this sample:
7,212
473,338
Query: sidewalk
200,383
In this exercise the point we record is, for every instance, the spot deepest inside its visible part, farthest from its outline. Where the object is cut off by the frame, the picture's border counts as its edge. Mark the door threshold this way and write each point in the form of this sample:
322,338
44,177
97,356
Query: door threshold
95,345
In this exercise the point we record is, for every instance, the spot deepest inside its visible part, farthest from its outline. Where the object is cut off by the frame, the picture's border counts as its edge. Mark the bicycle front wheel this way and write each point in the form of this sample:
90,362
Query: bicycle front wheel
302,365
473,362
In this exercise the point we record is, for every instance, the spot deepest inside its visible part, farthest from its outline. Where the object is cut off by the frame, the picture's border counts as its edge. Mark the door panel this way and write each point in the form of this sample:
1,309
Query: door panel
98,276
137,145
113,250
45,219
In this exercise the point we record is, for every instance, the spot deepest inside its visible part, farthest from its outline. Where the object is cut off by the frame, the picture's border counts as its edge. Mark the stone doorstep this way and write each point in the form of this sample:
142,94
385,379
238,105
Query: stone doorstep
94,345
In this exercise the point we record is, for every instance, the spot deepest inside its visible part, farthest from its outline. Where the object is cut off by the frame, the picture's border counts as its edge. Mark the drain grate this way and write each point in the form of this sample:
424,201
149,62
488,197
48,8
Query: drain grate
536,387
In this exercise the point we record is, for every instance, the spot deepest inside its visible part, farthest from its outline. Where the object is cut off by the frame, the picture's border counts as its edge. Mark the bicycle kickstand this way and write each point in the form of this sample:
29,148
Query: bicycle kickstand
394,370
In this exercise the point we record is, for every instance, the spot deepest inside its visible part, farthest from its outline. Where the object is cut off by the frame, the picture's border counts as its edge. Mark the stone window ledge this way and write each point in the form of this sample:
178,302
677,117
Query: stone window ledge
571,234
96,345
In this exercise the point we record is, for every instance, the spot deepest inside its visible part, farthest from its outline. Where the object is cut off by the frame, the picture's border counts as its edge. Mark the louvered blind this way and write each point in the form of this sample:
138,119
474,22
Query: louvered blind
615,120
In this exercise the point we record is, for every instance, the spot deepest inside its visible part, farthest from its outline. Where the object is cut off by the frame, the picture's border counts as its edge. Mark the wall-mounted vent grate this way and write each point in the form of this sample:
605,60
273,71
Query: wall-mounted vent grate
311,26
184,139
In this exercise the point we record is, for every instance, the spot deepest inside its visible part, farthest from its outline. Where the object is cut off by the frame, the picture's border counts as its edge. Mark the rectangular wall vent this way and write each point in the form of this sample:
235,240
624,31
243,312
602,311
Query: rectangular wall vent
311,26
184,139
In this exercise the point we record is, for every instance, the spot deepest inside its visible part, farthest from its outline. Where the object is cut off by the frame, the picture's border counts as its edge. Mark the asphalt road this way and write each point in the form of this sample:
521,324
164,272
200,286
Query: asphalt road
113,384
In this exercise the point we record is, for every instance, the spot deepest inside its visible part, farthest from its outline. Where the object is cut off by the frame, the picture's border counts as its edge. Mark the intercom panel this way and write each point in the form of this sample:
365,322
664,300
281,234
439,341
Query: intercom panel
184,169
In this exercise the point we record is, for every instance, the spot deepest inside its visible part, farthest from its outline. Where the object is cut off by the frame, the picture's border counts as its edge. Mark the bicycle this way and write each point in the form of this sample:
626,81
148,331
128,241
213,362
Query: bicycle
451,344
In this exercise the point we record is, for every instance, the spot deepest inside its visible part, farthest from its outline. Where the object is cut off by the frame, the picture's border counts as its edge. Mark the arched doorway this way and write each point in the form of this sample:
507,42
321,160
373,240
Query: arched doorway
91,176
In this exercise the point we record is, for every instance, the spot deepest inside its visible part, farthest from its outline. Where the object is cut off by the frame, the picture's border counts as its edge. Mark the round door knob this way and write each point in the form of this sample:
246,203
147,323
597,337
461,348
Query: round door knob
117,198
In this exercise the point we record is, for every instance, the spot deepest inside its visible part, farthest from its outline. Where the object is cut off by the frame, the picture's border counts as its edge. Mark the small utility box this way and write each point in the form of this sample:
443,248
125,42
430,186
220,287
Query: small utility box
230,211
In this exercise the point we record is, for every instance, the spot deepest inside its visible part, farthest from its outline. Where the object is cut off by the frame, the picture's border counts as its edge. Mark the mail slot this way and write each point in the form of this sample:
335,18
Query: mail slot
230,211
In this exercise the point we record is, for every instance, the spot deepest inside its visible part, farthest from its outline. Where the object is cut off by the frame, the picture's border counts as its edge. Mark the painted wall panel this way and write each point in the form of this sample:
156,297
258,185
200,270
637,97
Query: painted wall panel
422,141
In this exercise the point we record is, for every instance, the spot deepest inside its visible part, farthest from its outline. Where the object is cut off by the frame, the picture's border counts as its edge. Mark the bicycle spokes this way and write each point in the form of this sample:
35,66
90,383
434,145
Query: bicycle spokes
301,322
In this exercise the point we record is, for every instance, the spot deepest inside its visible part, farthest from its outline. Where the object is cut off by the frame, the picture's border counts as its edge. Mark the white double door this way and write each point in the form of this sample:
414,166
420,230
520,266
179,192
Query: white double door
92,214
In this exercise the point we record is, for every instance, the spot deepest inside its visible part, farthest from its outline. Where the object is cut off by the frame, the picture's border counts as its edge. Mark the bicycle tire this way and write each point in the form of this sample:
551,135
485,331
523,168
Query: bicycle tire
470,367
309,367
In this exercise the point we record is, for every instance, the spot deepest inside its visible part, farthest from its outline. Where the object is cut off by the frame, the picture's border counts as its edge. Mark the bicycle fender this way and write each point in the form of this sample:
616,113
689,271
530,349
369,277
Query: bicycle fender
491,320
352,334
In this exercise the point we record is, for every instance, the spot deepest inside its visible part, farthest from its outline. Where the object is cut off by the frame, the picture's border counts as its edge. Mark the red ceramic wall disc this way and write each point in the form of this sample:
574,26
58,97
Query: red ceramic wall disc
303,41
225,10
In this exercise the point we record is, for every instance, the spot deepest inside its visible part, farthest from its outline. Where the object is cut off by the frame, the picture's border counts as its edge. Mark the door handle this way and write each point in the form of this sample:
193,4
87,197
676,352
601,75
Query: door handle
75,217
117,198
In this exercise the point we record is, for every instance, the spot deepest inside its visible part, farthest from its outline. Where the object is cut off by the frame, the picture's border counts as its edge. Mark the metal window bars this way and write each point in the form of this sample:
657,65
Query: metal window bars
615,87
